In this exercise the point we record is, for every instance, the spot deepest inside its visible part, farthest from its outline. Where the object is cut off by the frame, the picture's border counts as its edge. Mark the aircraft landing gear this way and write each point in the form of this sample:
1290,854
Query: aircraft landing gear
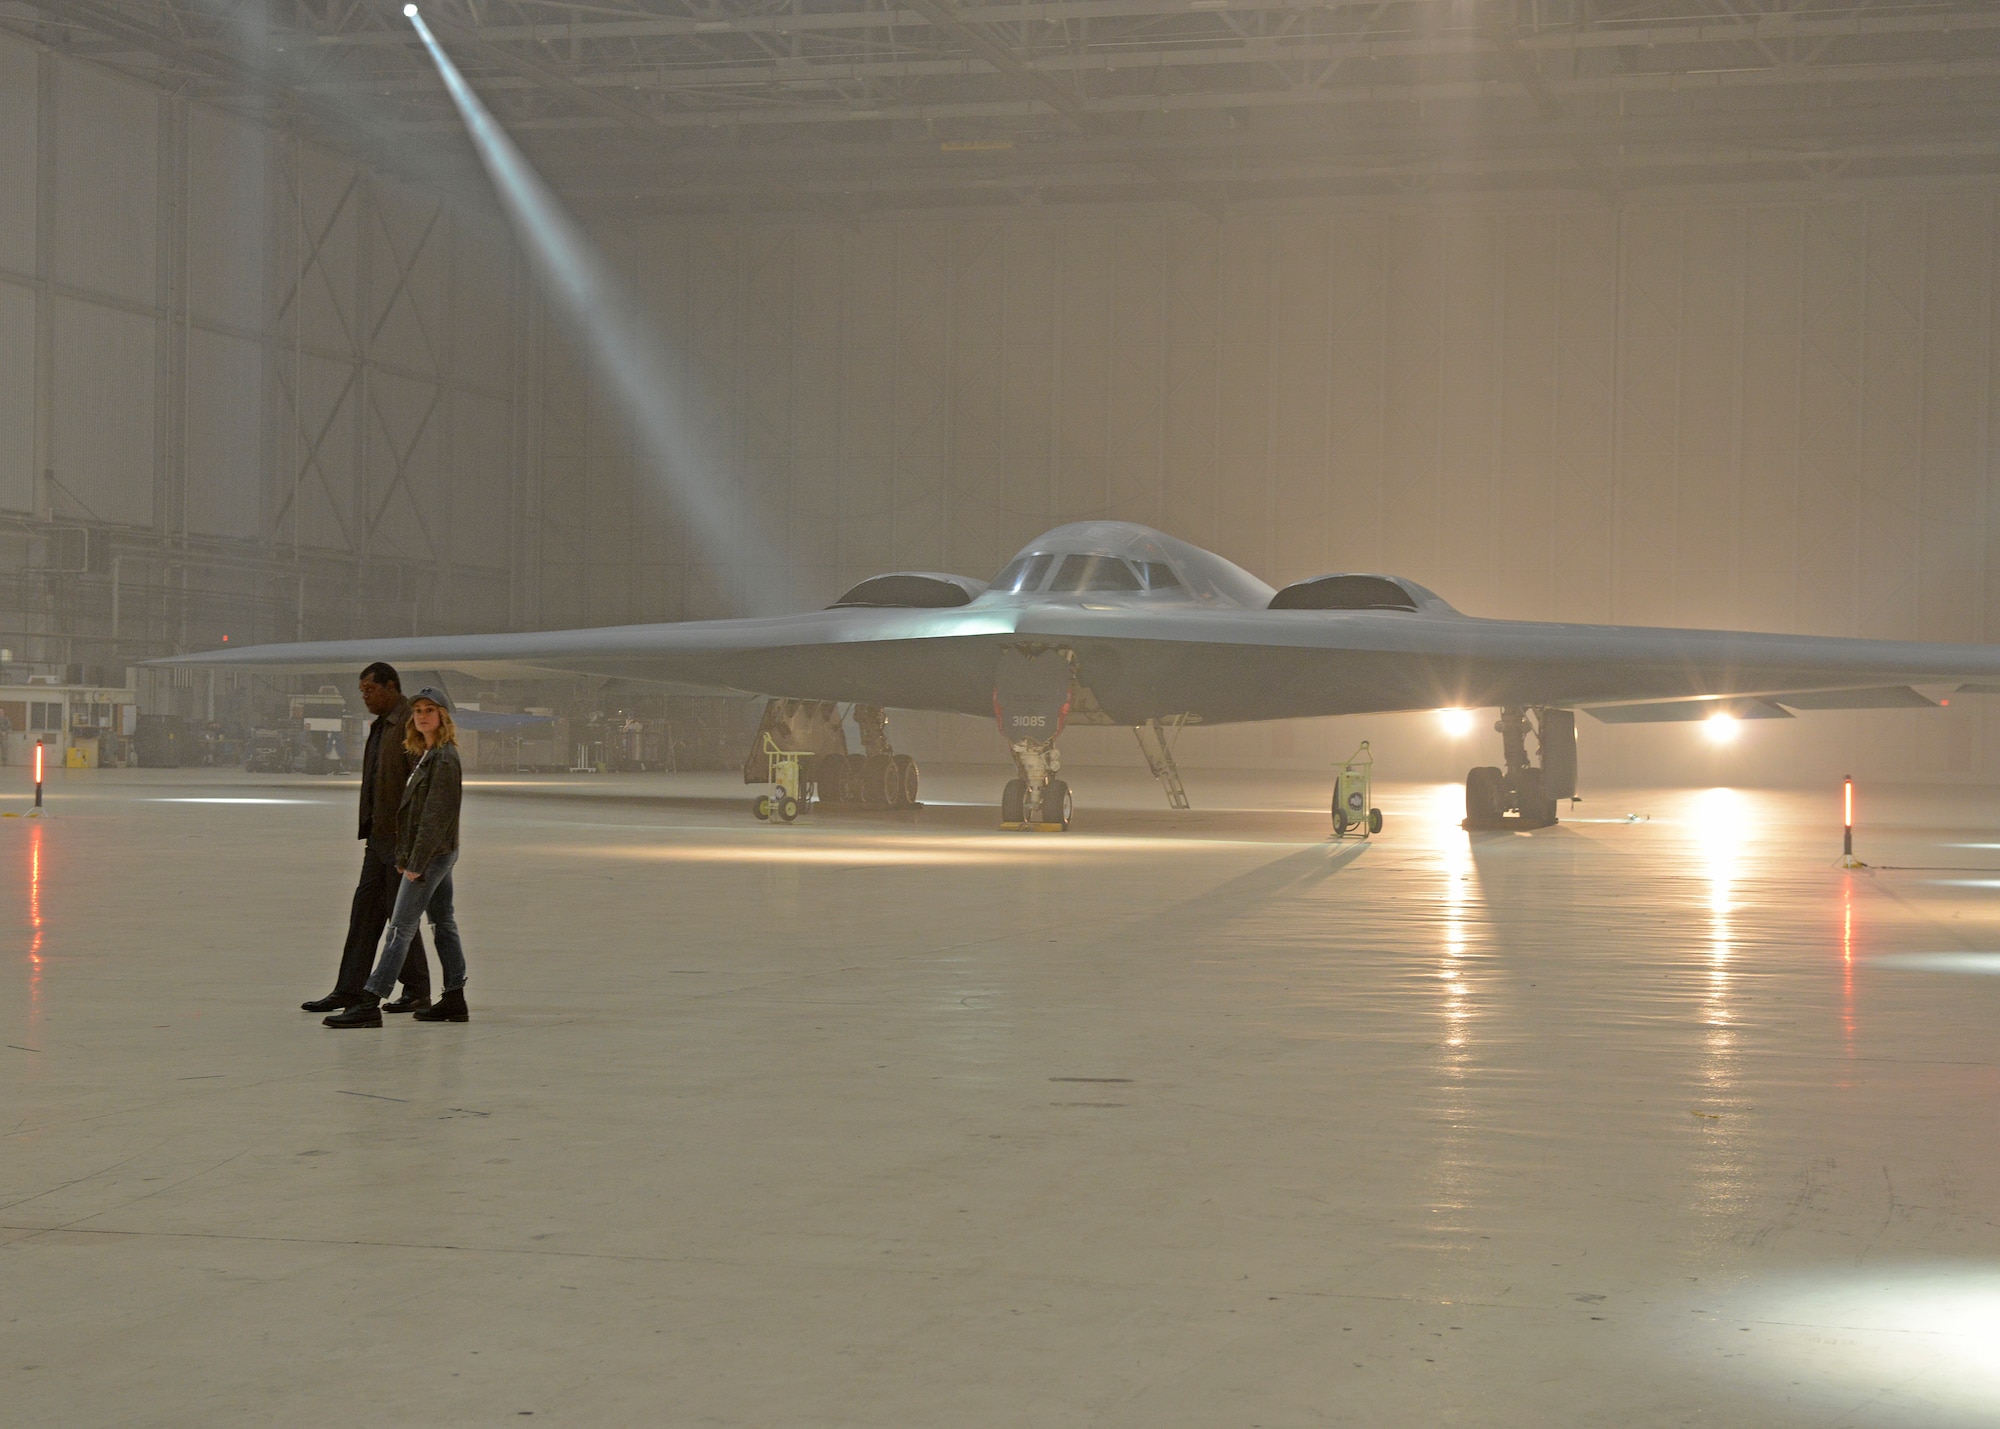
875,778
1031,697
1524,795
1043,805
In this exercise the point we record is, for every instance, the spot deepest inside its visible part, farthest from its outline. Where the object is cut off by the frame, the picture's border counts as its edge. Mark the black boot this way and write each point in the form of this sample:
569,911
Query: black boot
450,1008
408,1002
332,1002
366,1012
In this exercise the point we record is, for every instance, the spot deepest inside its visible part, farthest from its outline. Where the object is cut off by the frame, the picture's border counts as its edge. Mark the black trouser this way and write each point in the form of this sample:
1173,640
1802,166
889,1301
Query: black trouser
374,897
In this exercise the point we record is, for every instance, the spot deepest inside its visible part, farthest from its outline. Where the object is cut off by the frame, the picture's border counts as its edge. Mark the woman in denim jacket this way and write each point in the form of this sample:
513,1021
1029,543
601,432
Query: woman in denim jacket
426,849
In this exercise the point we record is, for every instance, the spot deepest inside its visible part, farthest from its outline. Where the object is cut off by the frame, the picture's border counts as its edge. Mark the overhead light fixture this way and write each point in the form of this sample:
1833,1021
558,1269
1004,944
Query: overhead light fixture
409,12
1722,727
1456,723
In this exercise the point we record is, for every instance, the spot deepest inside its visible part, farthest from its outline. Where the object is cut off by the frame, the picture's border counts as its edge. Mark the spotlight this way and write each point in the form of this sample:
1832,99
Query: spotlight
1455,723
1721,727
409,12
638,370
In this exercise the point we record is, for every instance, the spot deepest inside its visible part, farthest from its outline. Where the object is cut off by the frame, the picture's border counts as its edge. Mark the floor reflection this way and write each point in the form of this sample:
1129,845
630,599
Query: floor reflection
1725,827
1457,896
1916,1340
1847,963
35,932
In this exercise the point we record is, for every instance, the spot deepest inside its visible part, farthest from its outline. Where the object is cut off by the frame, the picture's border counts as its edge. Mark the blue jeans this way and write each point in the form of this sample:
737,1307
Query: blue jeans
429,894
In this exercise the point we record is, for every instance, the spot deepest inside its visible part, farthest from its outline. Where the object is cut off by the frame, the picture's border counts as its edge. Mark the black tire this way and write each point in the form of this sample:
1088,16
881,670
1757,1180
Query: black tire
1013,801
1528,793
1485,796
906,781
1374,821
879,785
829,778
788,809
761,806
1057,805
1339,818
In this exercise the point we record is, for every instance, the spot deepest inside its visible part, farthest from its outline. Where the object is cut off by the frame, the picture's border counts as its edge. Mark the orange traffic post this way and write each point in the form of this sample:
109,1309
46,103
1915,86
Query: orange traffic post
1847,858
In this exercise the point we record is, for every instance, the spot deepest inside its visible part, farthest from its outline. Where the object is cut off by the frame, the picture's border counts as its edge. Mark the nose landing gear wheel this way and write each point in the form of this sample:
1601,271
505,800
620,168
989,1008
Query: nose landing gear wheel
1013,801
1057,805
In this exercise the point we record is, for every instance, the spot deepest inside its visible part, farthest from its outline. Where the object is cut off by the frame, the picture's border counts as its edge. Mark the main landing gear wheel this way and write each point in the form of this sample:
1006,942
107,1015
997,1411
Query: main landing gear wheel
880,783
1014,801
906,781
830,779
1528,797
1485,797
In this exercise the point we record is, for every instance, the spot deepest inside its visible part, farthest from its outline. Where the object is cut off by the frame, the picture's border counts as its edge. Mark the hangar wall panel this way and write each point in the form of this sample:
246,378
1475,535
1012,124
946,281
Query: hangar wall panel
107,179
236,358
17,397
20,134
103,450
228,211
1753,414
225,480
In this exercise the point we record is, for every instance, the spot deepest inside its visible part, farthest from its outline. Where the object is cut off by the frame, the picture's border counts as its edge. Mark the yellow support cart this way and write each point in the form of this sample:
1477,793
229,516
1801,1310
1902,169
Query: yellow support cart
1354,812
783,800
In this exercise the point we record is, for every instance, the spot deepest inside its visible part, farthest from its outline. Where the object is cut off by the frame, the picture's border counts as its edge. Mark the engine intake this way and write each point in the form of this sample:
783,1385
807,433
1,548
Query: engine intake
913,590
1344,593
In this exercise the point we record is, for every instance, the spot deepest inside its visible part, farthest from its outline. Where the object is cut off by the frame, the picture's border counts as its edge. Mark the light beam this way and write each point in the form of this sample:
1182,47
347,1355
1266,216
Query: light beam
628,357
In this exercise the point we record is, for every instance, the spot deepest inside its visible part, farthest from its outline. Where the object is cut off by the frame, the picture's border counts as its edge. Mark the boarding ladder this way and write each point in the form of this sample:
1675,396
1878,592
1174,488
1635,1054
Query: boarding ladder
1156,743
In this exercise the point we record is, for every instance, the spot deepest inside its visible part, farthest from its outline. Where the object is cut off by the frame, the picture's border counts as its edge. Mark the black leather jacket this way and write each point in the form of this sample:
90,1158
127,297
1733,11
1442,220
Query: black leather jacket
385,769
427,822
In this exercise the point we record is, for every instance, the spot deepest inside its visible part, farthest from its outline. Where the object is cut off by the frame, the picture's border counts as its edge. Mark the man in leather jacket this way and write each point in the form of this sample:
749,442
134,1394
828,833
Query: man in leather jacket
385,768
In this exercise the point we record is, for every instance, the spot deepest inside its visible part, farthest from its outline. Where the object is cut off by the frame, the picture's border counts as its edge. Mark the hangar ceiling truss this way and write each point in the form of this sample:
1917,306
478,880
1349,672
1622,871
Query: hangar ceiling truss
856,105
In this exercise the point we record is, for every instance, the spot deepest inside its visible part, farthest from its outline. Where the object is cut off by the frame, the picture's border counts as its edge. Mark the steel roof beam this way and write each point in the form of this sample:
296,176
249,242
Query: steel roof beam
1389,95
1705,29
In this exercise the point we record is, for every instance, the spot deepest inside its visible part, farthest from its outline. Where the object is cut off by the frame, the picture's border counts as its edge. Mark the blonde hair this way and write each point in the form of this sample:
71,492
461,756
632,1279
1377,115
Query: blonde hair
413,740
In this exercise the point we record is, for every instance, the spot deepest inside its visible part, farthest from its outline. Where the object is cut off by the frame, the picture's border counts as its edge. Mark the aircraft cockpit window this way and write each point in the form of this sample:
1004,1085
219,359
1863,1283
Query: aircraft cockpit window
1023,573
1085,573
1159,576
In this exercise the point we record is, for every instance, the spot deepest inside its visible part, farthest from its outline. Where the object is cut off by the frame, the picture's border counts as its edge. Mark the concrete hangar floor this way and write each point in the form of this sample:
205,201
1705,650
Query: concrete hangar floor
1180,1119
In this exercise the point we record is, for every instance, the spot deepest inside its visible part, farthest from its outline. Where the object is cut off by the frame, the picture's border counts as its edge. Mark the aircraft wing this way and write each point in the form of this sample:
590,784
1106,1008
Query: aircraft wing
1247,664
897,658
1138,660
